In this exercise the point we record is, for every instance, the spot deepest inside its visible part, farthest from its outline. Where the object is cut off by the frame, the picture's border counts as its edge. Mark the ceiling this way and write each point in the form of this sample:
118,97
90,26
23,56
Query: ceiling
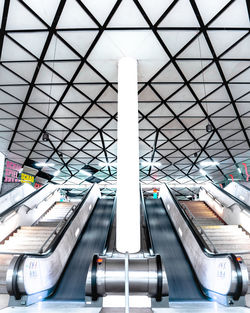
58,73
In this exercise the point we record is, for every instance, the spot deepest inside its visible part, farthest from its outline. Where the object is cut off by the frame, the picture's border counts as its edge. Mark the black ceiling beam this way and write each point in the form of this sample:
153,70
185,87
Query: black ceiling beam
199,18
248,7
44,51
3,24
179,70
82,63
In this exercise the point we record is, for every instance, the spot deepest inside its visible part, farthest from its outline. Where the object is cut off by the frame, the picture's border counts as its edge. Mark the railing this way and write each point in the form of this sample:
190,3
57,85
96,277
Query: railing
149,241
58,228
110,228
206,252
212,196
236,200
58,236
201,230
15,207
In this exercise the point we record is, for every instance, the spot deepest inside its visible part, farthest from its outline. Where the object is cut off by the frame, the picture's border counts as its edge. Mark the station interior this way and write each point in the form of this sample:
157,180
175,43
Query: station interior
124,156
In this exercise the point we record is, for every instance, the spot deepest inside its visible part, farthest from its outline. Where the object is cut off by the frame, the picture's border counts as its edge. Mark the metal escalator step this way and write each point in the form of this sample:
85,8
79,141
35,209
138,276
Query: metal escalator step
54,224
35,230
223,227
20,250
35,227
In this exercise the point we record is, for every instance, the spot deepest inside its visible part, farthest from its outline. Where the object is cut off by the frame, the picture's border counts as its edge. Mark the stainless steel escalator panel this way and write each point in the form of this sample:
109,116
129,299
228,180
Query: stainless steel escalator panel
38,273
215,273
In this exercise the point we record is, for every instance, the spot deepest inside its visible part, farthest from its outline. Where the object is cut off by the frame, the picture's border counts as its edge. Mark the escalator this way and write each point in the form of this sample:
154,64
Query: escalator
221,275
53,255
36,238
71,286
218,235
183,285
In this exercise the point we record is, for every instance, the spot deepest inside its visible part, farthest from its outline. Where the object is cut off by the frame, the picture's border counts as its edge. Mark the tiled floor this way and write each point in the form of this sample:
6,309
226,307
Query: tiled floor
62,307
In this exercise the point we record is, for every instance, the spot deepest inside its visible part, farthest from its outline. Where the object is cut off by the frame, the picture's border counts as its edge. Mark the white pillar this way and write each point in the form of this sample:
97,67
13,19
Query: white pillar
128,196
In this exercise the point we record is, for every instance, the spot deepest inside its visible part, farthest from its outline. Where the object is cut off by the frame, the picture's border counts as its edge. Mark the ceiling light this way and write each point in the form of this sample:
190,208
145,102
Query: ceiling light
209,128
45,136
85,173
41,164
239,170
204,173
144,163
57,173
209,163
107,164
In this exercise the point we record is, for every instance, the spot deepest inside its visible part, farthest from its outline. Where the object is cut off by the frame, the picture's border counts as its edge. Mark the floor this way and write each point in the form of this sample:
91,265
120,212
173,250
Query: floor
76,307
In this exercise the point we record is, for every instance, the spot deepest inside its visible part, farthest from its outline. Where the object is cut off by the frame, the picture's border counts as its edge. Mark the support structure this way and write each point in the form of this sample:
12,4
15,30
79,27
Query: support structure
128,197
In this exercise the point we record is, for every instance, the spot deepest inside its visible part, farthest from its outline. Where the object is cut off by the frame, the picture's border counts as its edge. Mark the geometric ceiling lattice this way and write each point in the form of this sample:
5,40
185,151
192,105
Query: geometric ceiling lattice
58,73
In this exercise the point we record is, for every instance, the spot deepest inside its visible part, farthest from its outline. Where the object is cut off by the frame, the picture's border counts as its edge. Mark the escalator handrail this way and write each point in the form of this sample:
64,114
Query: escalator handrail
110,227
207,252
14,207
238,201
60,234
149,241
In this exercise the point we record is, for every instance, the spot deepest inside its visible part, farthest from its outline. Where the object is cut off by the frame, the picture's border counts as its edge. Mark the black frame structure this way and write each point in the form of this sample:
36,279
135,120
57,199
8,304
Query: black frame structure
198,73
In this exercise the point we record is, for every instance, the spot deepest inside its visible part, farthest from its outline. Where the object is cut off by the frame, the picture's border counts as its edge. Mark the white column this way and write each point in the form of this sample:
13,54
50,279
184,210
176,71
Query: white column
128,197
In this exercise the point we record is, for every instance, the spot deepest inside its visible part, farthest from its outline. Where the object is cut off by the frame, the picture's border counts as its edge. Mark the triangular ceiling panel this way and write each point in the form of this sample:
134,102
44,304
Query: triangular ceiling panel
176,40
24,69
197,49
235,15
20,18
6,77
224,39
77,18
86,74
80,41
155,9
12,52
33,42
210,8
181,14
127,15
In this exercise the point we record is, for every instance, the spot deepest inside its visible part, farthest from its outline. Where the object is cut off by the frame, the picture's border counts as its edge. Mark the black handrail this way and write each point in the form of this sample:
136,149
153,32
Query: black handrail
60,234
110,227
241,203
149,241
53,245
20,202
209,254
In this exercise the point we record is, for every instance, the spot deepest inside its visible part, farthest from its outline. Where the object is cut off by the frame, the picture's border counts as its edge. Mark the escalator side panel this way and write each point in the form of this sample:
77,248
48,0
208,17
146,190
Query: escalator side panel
71,286
182,281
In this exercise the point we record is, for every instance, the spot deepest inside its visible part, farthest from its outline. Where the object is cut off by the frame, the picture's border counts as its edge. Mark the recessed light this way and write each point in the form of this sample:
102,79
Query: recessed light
107,164
85,173
144,163
43,164
57,173
209,163
204,173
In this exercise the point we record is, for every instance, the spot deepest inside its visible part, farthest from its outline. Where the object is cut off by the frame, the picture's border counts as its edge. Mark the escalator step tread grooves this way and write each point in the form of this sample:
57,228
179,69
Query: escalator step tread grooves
71,286
181,279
